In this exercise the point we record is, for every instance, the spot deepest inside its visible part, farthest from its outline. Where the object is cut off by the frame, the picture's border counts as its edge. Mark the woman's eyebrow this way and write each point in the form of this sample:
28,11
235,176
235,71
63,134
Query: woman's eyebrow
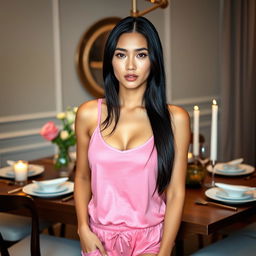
136,50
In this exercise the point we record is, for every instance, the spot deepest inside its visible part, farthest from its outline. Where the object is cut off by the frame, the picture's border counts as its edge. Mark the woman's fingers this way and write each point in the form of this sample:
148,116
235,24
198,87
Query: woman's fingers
101,249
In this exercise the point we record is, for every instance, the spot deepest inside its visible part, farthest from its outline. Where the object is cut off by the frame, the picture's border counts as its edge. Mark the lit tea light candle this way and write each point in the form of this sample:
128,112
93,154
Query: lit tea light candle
196,131
20,171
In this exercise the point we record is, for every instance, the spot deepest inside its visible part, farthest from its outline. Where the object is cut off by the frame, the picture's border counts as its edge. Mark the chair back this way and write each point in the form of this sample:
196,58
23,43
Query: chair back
15,202
3,249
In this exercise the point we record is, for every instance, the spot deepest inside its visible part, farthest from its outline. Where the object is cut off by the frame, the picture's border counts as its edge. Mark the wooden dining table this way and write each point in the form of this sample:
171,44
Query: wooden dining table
196,219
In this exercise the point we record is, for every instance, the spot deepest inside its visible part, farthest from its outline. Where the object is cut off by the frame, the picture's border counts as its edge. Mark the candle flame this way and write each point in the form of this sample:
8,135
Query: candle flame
196,108
20,163
214,102
190,155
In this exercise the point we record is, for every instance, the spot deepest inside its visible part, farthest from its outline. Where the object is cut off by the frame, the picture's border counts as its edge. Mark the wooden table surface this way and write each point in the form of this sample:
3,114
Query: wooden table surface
52,209
205,220
196,219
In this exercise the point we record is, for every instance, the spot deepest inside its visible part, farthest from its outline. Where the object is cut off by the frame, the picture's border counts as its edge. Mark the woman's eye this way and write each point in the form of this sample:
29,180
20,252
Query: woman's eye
142,55
120,55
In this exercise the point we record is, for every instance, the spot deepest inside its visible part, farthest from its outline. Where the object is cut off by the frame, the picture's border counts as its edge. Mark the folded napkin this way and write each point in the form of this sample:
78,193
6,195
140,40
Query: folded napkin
50,185
235,191
235,161
234,187
10,162
232,166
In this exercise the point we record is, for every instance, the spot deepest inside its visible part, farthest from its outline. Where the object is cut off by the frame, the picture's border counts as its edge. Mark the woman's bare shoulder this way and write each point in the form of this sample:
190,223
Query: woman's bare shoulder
179,115
88,111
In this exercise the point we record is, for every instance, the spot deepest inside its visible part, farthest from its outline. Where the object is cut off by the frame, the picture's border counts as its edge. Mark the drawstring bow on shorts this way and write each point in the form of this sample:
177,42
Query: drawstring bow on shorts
120,237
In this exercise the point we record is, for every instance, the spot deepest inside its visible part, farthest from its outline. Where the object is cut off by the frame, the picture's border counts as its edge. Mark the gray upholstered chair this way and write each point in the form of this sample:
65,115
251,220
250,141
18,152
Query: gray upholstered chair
35,244
241,243
14,227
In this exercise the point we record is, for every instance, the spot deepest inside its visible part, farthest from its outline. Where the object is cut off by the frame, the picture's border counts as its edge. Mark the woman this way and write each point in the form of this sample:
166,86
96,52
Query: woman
131,151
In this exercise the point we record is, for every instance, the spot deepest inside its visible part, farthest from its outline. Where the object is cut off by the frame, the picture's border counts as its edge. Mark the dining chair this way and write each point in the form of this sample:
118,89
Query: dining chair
240,243
14,227
35,244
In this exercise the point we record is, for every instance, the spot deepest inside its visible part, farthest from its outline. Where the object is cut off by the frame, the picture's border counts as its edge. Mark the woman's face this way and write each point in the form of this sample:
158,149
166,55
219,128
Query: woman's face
131,61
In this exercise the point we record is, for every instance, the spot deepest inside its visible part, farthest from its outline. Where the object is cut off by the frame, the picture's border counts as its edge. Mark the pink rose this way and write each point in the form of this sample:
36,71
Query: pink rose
49,131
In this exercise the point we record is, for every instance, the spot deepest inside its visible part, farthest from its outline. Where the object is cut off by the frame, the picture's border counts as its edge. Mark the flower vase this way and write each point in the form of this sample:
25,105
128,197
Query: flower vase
63,163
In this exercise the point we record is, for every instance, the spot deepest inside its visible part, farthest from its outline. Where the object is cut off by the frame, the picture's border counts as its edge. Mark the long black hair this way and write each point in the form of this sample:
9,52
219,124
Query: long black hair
154,96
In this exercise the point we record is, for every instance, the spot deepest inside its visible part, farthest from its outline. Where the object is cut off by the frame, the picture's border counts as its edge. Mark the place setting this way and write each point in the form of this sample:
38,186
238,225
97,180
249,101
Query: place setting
235,167
20,169
224,193
231,194
49,188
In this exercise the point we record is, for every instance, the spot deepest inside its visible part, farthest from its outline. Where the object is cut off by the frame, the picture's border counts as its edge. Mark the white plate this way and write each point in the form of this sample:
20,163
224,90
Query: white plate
30,190
223,170
34,170
212,194
248,169
59,189
223,195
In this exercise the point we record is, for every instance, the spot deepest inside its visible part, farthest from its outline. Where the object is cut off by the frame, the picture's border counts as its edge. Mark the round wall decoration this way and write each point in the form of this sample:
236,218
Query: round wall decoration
90,52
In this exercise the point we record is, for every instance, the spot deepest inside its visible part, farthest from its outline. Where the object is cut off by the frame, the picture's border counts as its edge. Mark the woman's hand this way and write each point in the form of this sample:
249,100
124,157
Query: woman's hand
89,241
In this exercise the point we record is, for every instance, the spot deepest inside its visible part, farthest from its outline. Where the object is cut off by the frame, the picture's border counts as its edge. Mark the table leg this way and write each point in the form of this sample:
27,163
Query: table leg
179,248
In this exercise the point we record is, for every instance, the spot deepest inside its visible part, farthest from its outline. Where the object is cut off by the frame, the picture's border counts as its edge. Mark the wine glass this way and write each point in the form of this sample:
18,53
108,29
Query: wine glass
203,157
206,163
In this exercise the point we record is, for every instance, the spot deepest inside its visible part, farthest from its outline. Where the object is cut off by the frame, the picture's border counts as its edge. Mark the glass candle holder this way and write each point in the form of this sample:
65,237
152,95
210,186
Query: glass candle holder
20,172
195,175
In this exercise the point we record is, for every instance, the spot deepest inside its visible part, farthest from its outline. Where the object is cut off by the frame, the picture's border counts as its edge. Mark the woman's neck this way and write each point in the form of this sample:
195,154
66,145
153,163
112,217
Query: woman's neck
131,98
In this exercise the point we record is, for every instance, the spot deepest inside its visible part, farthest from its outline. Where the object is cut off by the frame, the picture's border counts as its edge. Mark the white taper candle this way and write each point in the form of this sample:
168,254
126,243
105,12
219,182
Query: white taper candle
214,131
196,131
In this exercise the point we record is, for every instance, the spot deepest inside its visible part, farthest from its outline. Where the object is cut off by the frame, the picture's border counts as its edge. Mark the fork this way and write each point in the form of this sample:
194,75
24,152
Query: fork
204,202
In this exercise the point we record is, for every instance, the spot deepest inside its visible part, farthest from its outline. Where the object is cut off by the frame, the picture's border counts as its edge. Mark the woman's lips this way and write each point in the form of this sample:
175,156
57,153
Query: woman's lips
131,78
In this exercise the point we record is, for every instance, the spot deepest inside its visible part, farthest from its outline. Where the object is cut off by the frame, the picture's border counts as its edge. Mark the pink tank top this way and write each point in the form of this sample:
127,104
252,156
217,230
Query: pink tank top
123,184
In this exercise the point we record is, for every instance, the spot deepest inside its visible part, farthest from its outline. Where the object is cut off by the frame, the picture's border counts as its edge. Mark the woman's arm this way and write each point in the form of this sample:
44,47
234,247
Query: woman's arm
175,193
86,122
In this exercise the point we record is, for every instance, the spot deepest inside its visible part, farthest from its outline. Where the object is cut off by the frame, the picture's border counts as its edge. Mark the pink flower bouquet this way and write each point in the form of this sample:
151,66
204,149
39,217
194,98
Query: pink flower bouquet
49,131
63,138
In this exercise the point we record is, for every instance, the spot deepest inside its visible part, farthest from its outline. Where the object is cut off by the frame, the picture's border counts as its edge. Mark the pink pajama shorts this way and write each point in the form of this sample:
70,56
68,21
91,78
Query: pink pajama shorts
118,241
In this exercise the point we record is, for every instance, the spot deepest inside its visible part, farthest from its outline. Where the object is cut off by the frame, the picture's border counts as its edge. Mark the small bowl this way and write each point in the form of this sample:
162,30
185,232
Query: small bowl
50,185
234,190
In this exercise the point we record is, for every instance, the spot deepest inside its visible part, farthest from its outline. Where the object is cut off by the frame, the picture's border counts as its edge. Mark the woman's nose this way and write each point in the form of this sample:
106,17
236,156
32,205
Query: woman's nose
131,64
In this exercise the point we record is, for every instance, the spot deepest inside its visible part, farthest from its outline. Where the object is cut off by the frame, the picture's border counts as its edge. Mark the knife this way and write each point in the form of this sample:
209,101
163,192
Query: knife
15,190
65,199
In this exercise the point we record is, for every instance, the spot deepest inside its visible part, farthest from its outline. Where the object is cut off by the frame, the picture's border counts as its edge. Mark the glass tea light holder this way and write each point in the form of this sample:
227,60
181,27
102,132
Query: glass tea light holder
20,169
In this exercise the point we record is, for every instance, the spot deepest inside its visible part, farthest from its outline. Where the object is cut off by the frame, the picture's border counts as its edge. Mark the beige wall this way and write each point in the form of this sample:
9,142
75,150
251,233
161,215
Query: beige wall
194,50
39,39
